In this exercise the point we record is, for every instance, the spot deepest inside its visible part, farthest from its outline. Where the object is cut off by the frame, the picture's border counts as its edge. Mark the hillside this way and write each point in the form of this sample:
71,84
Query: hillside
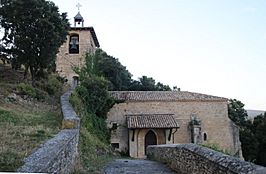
28,117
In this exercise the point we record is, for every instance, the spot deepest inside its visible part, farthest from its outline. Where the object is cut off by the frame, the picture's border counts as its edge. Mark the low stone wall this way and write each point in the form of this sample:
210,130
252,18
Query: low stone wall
192,158
58,154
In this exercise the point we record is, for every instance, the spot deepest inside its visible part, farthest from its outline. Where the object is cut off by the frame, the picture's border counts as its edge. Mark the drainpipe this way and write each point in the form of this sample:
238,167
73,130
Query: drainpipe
174,135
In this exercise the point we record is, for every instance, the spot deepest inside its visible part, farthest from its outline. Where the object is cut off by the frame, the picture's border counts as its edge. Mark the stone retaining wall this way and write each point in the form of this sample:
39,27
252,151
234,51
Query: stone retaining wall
192,158
58,154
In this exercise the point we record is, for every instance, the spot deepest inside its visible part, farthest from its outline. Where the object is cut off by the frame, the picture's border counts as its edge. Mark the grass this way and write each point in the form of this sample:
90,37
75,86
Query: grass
94,154
24,123
216,147
22,132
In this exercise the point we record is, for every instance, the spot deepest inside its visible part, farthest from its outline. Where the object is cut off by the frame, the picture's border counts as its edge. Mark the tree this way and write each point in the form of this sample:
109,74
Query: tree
102,64
259,127
252,134
33,32
161,87
112,70
236,112
94,93
148,84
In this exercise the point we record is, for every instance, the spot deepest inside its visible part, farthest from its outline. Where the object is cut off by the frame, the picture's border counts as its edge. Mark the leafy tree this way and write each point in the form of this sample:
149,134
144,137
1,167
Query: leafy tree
259,124
94,93
161,87
236,112
112,70
252,134
249,144
101,64
148,84
33,32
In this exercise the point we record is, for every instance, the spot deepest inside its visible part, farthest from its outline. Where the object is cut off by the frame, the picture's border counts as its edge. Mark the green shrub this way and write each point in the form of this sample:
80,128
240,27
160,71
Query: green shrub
10,161
40,94
54,85
26,89
8,117
93,92
76,102
216,147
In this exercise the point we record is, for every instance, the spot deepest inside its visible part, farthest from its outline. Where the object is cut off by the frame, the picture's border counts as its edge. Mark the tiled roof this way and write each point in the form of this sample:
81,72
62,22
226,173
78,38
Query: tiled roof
163,96
151,121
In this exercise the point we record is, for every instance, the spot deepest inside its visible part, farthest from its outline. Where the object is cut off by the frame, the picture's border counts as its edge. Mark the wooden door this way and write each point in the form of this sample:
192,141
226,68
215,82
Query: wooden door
150,139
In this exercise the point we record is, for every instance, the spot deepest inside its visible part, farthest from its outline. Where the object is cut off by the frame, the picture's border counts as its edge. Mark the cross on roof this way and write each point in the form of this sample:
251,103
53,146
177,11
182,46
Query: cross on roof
78,5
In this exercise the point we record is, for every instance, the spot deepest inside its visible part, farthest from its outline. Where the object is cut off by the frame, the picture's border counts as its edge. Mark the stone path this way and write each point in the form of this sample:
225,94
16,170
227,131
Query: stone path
126,166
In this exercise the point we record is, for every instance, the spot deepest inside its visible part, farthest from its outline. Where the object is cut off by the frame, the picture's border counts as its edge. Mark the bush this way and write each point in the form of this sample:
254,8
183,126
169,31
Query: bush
216,147
54,85
94,94
26,89
10,161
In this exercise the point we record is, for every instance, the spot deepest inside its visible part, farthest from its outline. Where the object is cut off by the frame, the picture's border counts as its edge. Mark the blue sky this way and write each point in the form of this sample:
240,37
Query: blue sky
215,47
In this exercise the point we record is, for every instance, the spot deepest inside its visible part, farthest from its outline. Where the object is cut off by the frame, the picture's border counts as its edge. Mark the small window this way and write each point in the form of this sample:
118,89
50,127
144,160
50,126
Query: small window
115,145
114,126
74,44
205,137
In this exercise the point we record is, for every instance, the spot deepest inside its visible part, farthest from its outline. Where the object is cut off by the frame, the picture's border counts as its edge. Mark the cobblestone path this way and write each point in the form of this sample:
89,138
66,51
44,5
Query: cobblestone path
126,166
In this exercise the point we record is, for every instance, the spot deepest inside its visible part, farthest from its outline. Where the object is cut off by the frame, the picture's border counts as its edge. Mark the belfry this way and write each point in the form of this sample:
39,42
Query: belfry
80,40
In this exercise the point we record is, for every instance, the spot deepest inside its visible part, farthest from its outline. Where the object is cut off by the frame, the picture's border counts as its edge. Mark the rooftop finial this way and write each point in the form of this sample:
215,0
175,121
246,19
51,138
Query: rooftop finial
78,5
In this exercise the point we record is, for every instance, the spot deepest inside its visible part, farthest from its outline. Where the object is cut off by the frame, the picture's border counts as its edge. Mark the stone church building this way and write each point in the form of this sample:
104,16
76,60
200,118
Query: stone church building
143,118
81,40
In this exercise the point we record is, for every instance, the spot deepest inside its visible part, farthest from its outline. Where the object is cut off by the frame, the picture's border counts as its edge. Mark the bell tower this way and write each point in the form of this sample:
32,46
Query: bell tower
80,41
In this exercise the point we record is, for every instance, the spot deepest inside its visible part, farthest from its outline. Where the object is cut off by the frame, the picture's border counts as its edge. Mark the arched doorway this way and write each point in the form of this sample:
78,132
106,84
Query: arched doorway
150,139
75,82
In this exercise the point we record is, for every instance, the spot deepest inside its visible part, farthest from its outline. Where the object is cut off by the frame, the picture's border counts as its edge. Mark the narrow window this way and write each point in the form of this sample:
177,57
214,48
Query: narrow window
205,136
74,44
114,126
115,145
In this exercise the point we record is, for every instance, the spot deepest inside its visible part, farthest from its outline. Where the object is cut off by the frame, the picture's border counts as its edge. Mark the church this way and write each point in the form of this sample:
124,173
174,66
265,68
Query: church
143,118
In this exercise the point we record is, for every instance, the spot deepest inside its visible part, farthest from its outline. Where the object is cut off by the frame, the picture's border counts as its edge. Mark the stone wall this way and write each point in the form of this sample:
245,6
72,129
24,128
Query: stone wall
215,123
191,158
58,154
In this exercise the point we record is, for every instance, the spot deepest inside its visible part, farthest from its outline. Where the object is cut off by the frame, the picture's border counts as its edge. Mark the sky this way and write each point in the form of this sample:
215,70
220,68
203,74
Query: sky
215,47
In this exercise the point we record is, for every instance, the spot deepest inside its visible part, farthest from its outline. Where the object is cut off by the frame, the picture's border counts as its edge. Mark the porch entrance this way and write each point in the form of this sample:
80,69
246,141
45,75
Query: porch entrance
150,139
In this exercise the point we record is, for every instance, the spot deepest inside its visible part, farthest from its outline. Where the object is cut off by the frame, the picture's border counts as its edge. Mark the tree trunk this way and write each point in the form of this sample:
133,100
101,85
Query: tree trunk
26,72
33,73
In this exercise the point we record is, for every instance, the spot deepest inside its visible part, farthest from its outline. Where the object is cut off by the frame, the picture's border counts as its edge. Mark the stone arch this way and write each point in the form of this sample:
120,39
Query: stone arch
160,134
150,139
74,43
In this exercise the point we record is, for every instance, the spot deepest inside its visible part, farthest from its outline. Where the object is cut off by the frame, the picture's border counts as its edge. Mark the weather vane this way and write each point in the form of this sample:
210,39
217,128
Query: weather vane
78,5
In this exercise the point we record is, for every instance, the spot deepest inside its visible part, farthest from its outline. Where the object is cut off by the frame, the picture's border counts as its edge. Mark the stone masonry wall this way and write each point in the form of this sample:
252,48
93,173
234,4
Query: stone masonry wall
213,115
58,154
194,159
66,61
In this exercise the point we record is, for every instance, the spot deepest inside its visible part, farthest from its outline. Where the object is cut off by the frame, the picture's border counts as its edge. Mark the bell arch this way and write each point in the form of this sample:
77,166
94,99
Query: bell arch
74,43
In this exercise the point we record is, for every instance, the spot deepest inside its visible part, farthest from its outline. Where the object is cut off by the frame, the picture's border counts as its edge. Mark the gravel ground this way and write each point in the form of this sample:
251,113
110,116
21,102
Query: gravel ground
126,166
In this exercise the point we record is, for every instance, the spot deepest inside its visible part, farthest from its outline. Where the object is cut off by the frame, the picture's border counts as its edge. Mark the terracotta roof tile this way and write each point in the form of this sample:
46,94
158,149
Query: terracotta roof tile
163,96
151,121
